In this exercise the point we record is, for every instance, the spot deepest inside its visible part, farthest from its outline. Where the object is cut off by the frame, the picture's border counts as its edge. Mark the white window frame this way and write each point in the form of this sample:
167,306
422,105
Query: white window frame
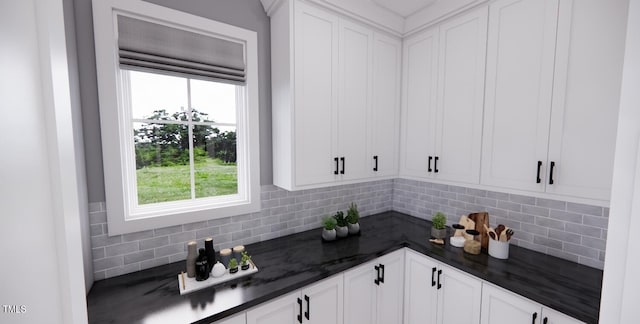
123,214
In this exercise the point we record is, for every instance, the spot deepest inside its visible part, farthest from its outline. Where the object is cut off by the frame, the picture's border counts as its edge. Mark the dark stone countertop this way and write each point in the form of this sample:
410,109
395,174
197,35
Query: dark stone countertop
292,262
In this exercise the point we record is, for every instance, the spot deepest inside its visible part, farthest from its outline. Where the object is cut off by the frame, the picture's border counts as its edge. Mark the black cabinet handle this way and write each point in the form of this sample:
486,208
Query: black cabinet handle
433,276
336,160
533,318
435,165
300,313
553,165
342,160
544,321
429,167
306,314
377,280
382,271
375,159
439,273
538,180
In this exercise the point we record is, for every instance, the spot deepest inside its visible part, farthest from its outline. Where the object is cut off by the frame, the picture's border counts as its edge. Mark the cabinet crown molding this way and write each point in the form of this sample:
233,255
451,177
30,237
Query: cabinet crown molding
371,13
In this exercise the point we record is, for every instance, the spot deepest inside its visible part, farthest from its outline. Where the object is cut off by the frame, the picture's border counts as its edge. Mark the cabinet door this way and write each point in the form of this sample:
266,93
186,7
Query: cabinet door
550,316
461,71
238,319
520,59
316,62
360,294
385,113
356,47
322,302
459,297
419,93
586,96
502,307
284,310
391,290
420,294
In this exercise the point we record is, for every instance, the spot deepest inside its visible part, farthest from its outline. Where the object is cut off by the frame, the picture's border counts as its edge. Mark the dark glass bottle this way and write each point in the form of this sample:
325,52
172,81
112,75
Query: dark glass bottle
202,266
211,253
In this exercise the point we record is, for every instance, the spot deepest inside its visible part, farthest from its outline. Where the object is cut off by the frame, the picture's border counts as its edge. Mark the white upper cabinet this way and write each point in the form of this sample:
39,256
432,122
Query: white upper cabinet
461,69
586,94
324,121
553,80
520,58
316,84
444,92
385,105
420,66
356,49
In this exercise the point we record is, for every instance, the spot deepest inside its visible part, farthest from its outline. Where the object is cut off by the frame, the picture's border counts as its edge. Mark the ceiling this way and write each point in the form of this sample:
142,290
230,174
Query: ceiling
404,8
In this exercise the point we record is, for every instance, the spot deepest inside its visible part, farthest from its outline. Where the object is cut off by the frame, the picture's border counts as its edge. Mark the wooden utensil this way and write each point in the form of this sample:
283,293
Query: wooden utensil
491,232
509,234
499,230
503,234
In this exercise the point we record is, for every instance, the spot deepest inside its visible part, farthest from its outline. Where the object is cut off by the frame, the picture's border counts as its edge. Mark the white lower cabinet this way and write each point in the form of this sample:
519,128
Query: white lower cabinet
238,319
502,307
401,287
373,291
320,303
435,293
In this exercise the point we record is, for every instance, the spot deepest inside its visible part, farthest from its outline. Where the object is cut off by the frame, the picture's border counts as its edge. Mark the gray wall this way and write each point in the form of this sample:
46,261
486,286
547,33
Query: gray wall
248,14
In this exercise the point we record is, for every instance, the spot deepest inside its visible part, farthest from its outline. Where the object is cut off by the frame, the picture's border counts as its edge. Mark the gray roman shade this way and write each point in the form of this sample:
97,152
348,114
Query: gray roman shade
152,47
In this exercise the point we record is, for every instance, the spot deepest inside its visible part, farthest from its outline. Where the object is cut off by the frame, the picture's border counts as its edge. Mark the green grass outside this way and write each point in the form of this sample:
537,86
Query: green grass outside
161,184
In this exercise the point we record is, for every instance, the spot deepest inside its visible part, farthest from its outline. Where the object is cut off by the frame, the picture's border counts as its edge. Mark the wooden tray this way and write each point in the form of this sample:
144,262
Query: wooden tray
191,285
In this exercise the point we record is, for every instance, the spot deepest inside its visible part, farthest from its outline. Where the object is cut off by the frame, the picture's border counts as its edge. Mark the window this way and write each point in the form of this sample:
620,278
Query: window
179,116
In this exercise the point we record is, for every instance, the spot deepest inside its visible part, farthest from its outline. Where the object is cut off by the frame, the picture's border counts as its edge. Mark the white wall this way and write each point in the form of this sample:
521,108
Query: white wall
78,135
620,294
41,265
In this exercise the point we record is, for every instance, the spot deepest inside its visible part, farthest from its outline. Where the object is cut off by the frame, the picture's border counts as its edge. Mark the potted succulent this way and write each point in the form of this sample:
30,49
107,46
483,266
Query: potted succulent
244,261
352,219
438,226
329,231
341,228
233,265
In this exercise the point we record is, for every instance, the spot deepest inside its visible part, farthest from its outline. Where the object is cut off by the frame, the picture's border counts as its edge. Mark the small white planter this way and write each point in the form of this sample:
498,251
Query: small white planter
328,235
354,228
342,231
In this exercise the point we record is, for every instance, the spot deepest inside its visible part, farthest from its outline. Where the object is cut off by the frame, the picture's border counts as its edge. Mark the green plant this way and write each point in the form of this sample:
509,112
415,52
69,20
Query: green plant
352,214
233,263
245,258
339,216
439,221
329,223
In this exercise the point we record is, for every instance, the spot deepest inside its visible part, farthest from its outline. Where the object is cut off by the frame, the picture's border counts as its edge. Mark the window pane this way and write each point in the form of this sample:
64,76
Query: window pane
216,173
162,162
156,96
215,101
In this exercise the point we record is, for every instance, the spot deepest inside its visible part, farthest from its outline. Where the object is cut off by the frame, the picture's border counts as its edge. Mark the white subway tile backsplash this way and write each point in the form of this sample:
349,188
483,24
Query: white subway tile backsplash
584,209
121,249
138,256
543,225
282,213
576,232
